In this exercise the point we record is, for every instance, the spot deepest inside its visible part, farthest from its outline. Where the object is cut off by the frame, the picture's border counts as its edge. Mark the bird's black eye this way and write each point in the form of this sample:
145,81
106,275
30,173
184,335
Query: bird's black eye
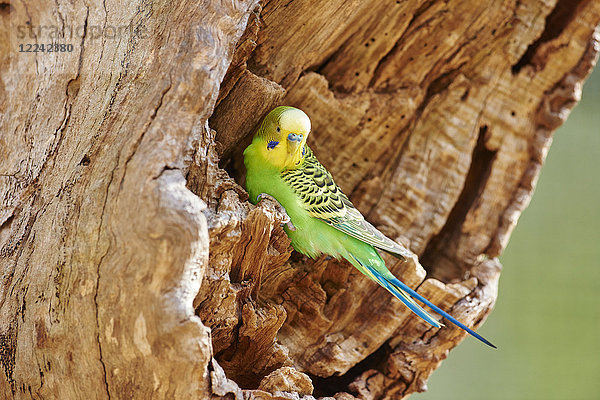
278,129
272,144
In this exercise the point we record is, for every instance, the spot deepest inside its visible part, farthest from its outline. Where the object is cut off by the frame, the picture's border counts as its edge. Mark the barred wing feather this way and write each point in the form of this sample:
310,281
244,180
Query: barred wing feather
324,200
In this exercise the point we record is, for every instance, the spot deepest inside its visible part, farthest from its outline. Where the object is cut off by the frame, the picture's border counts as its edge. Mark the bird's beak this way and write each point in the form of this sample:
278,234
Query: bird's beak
294,141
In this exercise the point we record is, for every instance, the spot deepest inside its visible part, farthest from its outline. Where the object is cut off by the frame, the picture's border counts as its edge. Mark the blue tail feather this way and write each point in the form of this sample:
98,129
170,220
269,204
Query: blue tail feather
402,292
414,307
438,310
399,294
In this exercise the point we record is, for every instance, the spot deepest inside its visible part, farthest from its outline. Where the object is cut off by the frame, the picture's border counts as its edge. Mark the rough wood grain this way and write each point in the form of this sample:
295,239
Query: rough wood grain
103,248
123,219
435,117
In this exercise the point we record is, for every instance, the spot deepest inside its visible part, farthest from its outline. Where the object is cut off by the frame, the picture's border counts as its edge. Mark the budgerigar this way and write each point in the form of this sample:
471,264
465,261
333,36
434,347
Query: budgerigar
279,163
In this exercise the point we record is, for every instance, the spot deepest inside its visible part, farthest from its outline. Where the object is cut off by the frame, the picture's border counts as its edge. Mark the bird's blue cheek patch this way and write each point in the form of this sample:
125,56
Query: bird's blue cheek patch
272,144
303,151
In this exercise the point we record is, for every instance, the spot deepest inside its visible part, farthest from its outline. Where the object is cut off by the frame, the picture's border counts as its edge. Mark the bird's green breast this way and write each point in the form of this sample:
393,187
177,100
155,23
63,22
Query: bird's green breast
312,236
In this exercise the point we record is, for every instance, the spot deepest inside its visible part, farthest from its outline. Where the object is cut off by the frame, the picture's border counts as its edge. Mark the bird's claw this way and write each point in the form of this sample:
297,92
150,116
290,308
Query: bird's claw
290,226
264,196
285,220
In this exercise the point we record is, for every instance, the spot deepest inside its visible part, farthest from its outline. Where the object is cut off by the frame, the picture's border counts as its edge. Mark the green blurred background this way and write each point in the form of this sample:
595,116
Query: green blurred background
547,318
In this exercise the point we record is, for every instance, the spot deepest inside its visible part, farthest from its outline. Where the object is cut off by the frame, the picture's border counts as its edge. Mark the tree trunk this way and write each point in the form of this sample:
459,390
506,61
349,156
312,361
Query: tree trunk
132,264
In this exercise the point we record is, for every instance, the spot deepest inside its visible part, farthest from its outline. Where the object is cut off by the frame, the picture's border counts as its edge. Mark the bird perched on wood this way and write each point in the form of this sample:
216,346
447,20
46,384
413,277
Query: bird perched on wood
280,164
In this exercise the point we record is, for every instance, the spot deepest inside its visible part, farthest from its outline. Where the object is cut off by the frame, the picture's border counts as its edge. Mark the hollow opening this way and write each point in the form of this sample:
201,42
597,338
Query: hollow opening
562,14
439,255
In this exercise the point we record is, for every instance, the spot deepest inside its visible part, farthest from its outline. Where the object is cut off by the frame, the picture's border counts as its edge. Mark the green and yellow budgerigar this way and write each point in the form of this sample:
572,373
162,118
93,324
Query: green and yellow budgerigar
279,163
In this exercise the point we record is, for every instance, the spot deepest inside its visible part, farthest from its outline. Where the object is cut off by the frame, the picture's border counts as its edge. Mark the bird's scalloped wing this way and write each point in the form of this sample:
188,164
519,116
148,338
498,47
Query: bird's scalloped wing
323,199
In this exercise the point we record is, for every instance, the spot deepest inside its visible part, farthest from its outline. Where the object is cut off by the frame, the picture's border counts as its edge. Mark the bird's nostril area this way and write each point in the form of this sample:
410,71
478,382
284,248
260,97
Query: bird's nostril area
294,138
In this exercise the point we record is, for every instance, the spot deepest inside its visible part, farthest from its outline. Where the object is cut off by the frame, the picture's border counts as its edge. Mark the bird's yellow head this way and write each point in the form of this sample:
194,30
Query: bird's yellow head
281,138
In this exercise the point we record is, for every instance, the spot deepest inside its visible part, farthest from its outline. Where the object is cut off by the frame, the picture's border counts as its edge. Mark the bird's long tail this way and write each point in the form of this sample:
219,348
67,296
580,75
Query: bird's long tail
404,293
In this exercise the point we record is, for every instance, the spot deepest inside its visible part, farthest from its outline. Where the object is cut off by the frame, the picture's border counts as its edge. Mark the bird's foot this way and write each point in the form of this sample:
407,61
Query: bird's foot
285,220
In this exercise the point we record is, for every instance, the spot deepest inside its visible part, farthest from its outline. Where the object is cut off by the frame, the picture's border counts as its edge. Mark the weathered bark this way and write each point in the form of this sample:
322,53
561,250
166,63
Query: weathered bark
122,210
103,247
